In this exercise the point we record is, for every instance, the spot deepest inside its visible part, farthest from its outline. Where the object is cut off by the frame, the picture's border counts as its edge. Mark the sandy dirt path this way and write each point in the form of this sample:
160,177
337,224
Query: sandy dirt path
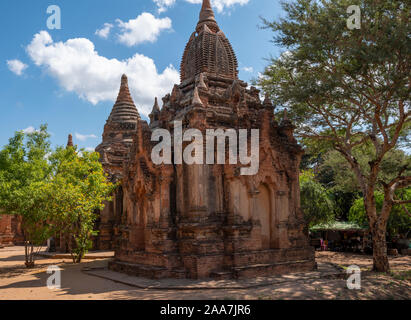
18,283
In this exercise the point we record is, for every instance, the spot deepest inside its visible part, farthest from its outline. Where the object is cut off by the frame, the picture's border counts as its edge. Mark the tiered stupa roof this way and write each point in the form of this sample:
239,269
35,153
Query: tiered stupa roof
208,50
124,110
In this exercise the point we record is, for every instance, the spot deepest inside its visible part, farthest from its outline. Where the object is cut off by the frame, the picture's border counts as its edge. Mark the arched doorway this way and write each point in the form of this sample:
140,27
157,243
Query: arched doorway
264,214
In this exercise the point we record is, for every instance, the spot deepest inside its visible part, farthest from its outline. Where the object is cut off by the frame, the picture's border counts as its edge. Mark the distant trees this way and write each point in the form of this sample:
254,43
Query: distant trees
335,174
399,222
349,90
53,192
316,202
332,176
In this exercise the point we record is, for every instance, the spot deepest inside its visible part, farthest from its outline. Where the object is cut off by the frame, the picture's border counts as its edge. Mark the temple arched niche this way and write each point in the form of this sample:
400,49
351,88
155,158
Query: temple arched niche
239,199
264,212
136,217
140,223
244,202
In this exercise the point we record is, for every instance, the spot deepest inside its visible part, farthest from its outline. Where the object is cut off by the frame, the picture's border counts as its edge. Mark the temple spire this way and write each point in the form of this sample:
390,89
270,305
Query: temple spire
124,95
156,108
207,12
267,101
124,110
207,17
208,50
155,113
70,141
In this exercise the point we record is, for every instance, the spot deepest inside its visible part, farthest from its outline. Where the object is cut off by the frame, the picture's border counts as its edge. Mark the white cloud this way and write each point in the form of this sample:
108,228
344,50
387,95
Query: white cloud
89,149
105,31
145,28
219,5
29,130
80,69
163,4
248,69
16,66
261,76
84,137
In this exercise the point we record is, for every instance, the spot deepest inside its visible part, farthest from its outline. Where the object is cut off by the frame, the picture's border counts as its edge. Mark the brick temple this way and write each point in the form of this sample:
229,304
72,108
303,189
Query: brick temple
10,230
201,221
120,128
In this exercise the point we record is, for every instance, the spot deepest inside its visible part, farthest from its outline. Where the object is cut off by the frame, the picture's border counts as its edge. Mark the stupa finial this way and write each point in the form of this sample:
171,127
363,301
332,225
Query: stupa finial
267,101
156,107
70,141
207,16
124,95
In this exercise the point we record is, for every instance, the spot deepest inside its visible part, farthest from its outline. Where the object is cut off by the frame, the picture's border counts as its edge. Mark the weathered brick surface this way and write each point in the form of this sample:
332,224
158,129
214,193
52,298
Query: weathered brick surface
10,230
114,149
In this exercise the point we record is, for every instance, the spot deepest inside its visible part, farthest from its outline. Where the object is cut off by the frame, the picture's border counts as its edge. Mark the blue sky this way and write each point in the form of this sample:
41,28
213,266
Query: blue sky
69,78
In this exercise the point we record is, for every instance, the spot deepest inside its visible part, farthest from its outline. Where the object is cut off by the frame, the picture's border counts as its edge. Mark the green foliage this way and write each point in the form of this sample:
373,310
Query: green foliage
328,64
24,175
335,173
315,200
399,222
53,192
348,90
338,84
79,188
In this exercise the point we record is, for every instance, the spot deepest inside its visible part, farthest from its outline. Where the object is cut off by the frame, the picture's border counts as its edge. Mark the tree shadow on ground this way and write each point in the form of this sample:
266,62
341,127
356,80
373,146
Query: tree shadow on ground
13,258
75,284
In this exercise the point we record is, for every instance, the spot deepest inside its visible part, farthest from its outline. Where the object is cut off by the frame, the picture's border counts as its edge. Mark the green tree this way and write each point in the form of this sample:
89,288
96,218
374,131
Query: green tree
77,191
349,89
399,222
54,192
24,174
335,174
315,200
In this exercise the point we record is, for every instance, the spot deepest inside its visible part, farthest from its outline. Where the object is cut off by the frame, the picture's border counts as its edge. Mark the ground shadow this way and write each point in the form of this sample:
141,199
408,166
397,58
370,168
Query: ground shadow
13,258
75,283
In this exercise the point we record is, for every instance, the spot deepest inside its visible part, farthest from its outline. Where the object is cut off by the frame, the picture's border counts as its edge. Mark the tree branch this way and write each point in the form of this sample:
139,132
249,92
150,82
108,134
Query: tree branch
401,201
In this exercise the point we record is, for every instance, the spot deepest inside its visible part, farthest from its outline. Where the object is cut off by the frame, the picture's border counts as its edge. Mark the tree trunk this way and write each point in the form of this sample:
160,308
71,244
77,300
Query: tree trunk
380,258
29,255
28,251
378,229
80,256
70,248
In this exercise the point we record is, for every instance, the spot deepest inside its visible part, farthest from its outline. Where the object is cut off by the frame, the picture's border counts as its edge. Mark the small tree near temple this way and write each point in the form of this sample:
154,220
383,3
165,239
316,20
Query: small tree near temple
78,189
349,89
52,192
24,178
